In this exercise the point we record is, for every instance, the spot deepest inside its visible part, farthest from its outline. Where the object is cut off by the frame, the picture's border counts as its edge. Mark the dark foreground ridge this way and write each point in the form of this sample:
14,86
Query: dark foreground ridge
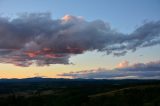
79,92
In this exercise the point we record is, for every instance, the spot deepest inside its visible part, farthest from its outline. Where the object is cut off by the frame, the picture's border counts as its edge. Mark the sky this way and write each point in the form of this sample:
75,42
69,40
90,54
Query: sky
80,39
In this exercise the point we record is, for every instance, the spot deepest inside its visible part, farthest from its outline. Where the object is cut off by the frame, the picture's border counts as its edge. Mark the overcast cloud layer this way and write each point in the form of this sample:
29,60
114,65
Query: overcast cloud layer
37,38
149,70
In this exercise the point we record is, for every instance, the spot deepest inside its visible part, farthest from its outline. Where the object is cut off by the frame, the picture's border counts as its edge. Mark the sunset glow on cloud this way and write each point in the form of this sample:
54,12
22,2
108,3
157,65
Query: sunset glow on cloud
149,70
123,64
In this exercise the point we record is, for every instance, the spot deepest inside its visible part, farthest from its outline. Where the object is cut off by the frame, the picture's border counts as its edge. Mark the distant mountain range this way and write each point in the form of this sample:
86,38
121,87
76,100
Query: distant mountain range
108,81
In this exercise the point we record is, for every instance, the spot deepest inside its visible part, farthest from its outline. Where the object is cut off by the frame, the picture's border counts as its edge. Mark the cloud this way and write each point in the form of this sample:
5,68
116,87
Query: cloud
38,38
123,64
149,70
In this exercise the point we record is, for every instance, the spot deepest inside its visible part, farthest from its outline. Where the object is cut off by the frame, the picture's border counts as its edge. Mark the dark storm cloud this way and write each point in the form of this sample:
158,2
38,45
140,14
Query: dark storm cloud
140,70
37,38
